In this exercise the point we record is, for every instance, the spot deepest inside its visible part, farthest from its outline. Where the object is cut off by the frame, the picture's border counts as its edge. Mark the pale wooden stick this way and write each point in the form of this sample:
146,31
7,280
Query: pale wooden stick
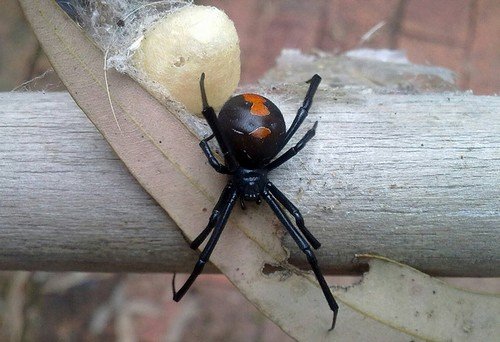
412,177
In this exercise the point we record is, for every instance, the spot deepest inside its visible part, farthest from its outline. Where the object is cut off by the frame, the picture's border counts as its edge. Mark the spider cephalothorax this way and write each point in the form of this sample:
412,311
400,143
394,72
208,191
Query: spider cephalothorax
250,131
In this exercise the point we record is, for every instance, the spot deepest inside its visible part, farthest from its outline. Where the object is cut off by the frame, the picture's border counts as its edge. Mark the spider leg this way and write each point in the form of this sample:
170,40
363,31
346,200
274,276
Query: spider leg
303,110
211,157
207,251
299,220
242,203
216,212
209,114
294,150
304,246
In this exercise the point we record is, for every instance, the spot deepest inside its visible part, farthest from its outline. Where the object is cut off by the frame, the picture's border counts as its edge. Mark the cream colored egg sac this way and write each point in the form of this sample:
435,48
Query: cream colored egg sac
185,44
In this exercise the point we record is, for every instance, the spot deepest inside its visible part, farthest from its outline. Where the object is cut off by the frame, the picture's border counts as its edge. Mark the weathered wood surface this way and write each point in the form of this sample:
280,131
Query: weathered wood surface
411,177
67,202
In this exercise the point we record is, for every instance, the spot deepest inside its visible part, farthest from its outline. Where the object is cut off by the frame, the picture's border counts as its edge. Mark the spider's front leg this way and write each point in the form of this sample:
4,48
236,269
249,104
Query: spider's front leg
306,249
214,217
299,220
209,248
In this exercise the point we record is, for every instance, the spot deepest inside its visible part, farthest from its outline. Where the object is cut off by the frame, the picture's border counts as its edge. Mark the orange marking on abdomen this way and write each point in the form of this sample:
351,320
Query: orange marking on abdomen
258,106
260,133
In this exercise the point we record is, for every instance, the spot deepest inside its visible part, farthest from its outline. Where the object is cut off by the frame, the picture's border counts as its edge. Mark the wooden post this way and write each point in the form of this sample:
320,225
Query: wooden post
411,177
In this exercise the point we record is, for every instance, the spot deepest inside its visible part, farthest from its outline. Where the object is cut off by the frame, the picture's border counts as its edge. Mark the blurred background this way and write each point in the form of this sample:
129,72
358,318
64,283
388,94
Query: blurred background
462,35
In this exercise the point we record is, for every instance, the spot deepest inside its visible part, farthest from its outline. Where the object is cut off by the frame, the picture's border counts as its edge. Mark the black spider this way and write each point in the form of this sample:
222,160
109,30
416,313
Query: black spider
250,131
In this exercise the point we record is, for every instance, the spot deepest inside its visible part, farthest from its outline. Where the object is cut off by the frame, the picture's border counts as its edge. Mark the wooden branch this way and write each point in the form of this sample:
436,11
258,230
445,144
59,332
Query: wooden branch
411,177
68,202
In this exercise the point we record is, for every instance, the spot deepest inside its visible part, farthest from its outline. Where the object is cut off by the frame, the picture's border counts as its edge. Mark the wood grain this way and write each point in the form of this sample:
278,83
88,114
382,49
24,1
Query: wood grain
411,177
68,202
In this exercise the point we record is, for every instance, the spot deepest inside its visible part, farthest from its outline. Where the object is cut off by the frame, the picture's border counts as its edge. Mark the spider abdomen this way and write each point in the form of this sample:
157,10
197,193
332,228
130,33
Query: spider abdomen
253,127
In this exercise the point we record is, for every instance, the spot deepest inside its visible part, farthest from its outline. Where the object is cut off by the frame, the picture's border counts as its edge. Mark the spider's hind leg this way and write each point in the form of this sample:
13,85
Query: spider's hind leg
209,248
212,160
211,118
294,150
303,110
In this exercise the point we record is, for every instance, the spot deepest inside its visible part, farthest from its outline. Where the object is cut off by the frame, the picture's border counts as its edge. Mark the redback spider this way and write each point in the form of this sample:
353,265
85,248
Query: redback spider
250,131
